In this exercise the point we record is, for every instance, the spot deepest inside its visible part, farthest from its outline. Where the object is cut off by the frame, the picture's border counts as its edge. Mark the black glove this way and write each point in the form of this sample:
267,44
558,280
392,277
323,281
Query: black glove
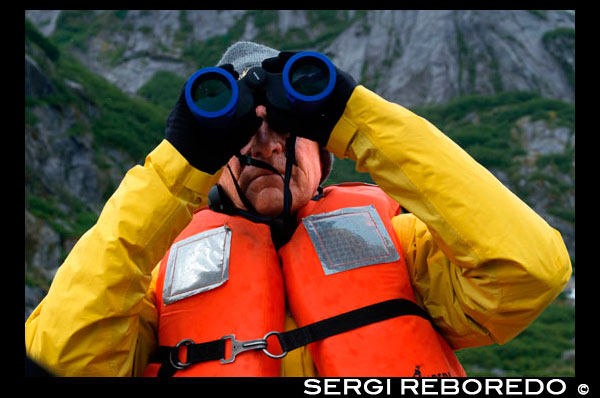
318,124
209,149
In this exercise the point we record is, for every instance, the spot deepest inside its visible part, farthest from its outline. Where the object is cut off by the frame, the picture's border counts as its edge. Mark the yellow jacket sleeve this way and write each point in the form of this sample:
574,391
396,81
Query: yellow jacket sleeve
98,318
481,261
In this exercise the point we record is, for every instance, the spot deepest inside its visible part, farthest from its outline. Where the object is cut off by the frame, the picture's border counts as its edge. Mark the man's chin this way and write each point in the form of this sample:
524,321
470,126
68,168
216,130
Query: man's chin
269,202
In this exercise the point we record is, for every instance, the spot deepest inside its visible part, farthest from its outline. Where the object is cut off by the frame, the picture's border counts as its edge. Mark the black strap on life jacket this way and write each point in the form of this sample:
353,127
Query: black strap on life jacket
290,340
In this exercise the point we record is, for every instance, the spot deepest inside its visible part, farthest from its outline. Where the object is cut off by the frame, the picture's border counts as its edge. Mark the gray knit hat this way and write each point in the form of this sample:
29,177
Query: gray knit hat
244,55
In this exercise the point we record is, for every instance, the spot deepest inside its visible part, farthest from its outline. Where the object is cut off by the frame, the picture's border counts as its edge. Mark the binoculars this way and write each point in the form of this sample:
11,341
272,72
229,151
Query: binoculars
214,96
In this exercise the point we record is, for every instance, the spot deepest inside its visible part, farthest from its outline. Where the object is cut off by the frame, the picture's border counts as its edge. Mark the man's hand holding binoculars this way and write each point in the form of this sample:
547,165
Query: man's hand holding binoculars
215,115
208,146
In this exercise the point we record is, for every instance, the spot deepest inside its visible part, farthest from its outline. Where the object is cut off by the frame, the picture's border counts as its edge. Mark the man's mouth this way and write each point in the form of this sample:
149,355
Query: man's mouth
263,175
258,174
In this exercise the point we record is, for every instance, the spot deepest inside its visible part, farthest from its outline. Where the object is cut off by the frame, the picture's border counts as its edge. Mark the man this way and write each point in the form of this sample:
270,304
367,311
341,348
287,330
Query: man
470,265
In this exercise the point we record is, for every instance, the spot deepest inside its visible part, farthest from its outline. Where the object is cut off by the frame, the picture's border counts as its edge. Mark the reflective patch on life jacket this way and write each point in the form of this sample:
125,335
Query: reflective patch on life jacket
350,238
197,264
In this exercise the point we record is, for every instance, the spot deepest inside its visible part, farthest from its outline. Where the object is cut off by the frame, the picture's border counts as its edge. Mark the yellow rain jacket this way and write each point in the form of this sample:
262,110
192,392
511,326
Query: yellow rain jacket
482,263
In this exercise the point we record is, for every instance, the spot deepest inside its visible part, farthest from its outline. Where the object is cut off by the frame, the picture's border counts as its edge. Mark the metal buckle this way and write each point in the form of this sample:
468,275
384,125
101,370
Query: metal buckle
241,346
176,364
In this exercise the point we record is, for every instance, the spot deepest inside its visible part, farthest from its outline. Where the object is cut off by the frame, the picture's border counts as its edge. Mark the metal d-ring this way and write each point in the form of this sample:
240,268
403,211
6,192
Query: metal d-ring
284,353
176,364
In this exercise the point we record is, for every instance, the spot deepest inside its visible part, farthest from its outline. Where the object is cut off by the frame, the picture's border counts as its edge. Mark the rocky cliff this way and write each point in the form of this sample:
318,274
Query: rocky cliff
92,79
411,57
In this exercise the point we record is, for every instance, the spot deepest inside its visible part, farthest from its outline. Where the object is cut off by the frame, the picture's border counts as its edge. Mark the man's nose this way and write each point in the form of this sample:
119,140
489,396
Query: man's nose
265,142
261,111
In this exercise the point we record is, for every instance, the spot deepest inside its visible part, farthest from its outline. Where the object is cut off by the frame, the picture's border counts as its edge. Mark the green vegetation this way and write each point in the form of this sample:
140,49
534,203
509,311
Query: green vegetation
566,33
121,14
537,351
344,170
564,39
464,63
74,27
162,89
185,27
487,127
208,52
482,125
539,13
34,36
325,25
132,125
73,225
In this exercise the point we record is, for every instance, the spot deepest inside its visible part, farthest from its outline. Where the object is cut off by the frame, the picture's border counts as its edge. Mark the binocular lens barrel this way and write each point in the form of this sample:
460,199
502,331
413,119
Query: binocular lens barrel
211,92
309,76
211,95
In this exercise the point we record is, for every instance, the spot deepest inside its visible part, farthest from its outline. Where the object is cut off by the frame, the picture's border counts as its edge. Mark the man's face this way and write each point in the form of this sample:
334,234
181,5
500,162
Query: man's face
265,189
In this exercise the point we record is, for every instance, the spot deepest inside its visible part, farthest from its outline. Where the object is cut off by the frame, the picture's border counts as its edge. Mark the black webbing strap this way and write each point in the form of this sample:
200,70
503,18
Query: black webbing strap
290,340
201,352
246,160
296,338
290,159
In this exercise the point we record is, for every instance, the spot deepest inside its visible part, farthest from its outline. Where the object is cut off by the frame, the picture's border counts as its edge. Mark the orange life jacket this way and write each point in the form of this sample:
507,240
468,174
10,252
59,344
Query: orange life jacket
343,255
400,346
248,304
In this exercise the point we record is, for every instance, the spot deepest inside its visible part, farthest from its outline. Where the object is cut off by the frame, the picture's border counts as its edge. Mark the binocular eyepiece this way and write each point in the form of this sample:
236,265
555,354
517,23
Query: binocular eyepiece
213,95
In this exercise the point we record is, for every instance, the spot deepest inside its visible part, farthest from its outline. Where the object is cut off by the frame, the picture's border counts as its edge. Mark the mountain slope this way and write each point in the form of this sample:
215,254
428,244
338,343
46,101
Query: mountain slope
411,57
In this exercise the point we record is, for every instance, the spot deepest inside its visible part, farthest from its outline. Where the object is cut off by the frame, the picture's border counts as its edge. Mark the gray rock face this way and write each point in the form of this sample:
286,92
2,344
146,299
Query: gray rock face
538,139
45,20
36,82
418,57
411,57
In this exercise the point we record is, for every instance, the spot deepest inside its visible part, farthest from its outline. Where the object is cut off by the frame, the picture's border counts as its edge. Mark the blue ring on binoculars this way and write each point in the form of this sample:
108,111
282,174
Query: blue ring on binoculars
223,111
308,98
